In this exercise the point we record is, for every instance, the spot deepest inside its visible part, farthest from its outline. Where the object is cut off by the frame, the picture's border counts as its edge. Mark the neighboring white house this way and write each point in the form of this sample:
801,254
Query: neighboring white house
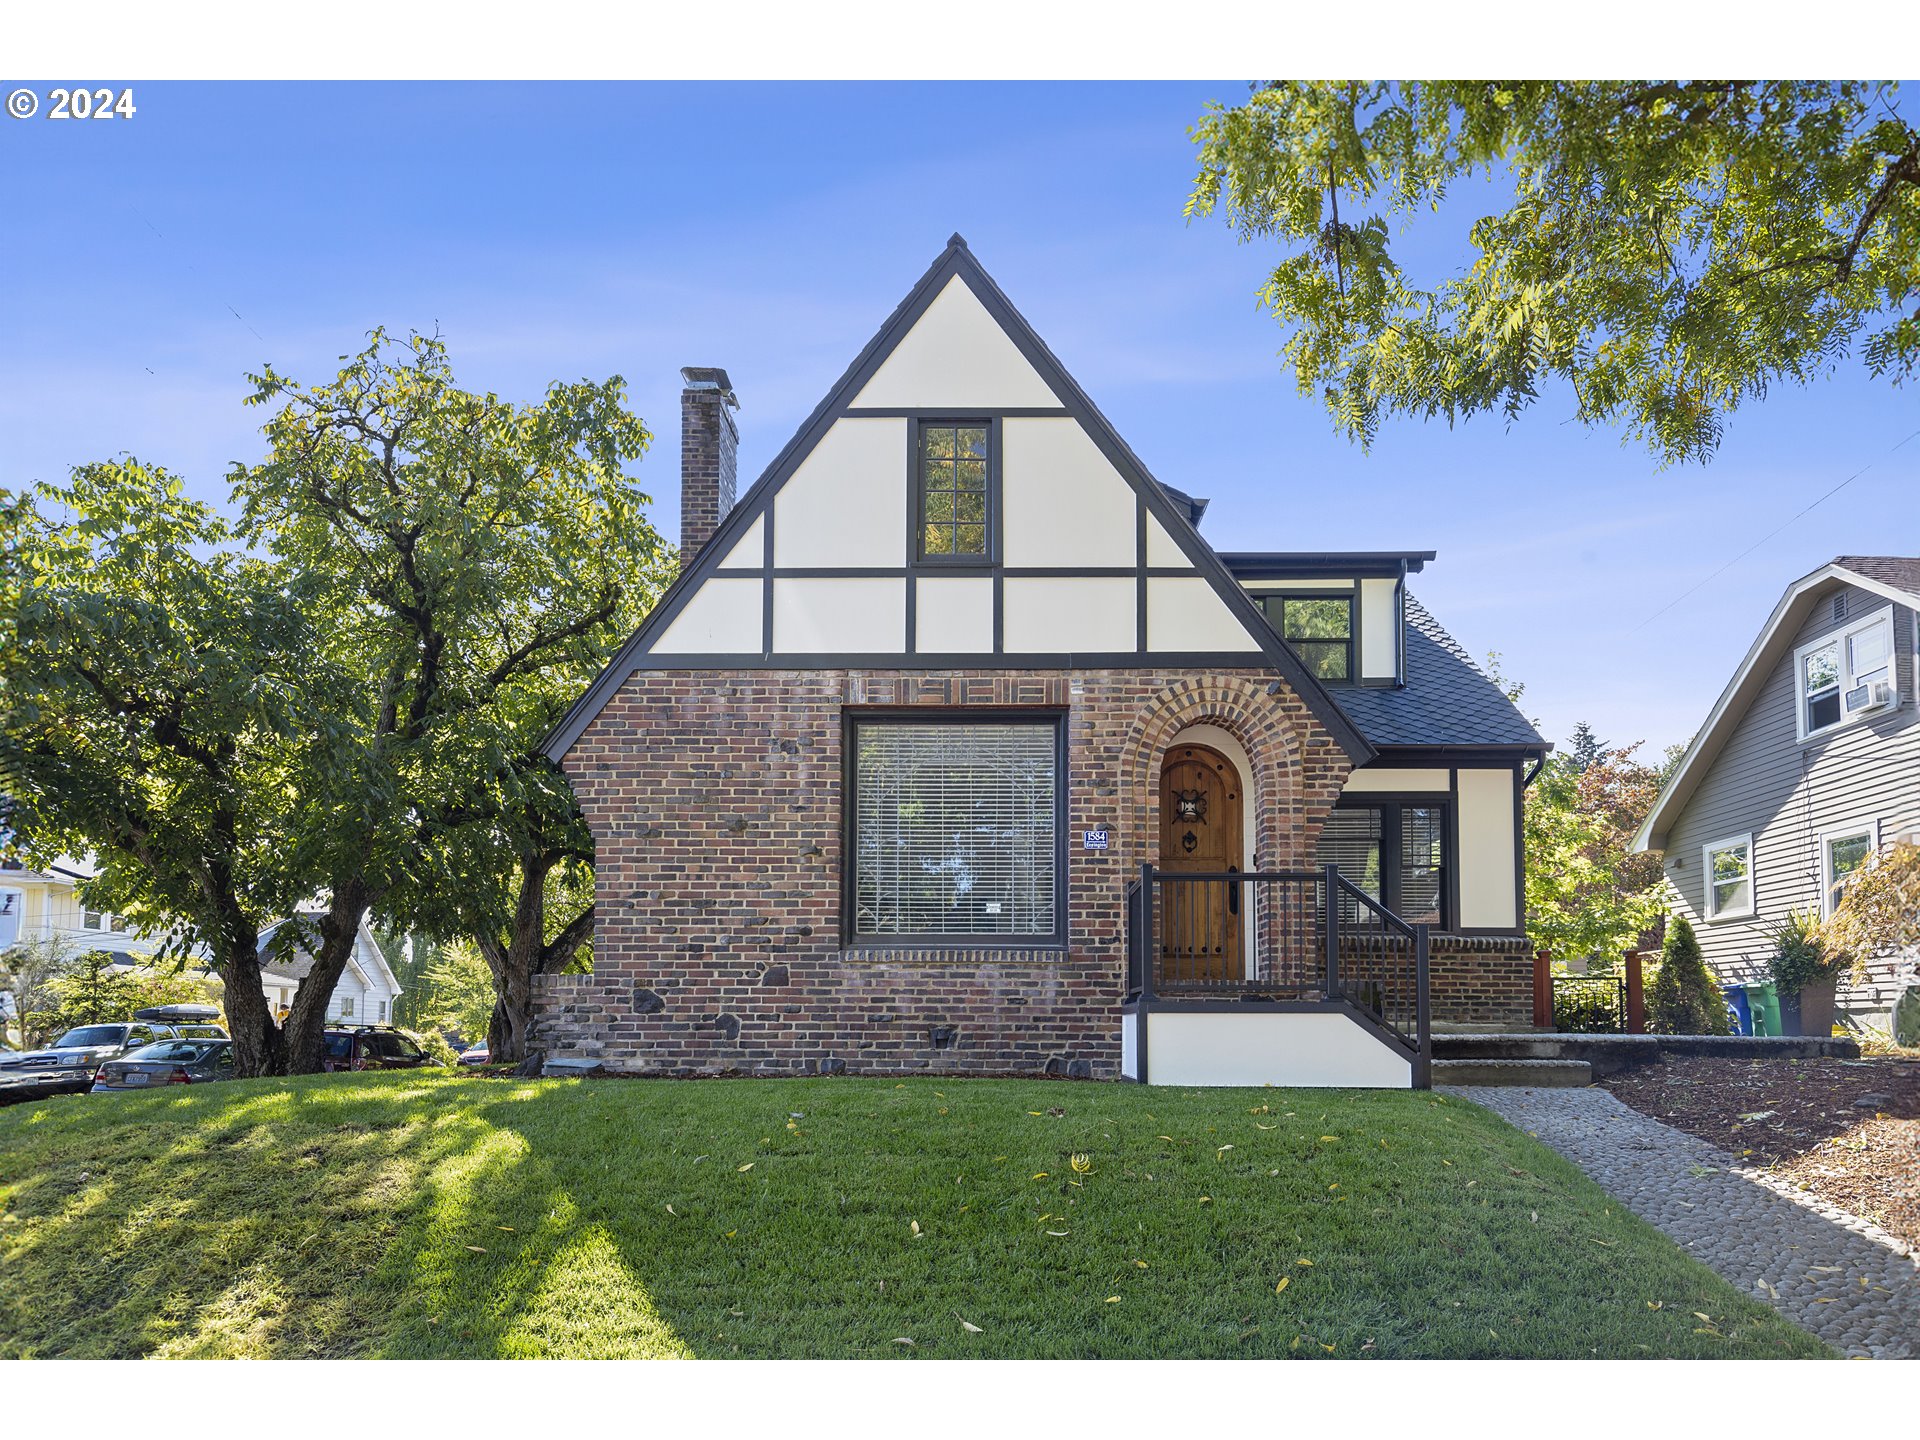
367,989
45,905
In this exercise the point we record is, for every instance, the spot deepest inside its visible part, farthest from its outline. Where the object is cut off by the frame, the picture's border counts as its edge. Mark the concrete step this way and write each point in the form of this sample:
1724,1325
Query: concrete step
1542,1074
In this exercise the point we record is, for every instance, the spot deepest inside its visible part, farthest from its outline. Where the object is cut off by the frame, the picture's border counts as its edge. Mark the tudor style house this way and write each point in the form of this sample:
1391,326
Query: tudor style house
1808,764
955,747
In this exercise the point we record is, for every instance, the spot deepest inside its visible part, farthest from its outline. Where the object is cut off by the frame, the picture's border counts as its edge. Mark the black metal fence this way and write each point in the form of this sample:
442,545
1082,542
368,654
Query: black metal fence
1590,1004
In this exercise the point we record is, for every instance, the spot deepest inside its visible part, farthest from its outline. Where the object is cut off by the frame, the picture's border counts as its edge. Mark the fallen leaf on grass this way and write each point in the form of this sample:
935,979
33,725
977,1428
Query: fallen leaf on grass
1656,1304
507,1228
1141,1263
1111,1300
1205,1200
968,1325
1329,1137
746,1167
914,1225
476,1249
902,1339
1285,1280
1304,1261
1059,1234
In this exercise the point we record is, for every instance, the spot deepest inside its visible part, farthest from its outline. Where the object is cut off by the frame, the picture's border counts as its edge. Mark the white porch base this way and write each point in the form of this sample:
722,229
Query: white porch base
1254,1045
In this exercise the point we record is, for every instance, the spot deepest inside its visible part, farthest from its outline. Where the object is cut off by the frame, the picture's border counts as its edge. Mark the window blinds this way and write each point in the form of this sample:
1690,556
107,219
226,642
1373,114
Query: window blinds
955,829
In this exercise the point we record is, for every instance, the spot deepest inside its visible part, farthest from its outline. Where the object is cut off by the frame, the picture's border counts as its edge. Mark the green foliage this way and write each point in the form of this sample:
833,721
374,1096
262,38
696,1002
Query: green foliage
93,992
1683,998
436,1046
1669,249
1587,894
1802,955
457,992
1879,912
27,973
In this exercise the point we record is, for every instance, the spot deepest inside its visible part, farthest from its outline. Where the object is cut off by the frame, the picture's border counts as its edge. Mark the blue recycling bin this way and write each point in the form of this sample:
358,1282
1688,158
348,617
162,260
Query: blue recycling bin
1738,1010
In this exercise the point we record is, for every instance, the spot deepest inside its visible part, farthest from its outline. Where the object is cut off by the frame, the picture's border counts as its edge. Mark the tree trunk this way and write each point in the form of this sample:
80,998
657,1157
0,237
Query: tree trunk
306,1026
514,965
258,1045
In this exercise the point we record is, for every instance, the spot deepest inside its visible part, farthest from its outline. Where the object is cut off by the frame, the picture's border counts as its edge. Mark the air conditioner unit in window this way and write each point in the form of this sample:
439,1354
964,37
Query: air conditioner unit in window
1865,699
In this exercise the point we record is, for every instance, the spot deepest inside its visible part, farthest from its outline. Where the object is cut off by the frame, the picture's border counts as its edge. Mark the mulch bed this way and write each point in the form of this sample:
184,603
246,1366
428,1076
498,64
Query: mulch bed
1799,1118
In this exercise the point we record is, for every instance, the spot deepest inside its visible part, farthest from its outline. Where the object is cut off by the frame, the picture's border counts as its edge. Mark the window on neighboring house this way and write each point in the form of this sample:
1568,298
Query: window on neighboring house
119,923
1841,854
1317,628
346,1007
383,1012
955,830
92,919
953,489
1837,677
1397,853
1728,866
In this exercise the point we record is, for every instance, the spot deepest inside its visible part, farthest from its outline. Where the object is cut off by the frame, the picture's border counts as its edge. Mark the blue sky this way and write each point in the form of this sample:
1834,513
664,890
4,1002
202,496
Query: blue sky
558,231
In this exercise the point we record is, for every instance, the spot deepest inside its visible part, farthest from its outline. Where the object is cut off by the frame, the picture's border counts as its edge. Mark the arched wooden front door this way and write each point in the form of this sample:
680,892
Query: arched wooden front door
1200,831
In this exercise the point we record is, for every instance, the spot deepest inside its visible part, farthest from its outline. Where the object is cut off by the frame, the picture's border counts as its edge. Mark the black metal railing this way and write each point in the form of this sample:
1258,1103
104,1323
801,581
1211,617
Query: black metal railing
1590,1004
1280,935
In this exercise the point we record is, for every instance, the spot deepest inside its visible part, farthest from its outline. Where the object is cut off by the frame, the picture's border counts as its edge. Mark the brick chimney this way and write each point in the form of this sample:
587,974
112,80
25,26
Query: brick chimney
708,441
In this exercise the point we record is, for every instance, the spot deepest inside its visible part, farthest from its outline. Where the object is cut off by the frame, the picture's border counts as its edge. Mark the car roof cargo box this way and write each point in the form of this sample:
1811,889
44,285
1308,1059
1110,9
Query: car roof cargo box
178,1014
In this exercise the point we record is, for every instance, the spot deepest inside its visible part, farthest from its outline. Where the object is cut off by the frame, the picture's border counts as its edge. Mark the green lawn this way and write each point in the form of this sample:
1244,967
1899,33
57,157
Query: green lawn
409,1214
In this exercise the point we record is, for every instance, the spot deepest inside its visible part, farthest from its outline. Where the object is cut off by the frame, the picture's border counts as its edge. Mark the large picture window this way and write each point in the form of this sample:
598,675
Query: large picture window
1397,853
955,831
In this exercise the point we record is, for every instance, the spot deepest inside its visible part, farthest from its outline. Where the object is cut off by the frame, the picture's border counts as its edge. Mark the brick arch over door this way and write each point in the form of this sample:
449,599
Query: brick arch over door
1297,768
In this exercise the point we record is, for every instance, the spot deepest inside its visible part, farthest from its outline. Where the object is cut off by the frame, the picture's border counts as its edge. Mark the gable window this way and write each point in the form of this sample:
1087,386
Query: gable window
956,830
1396,853
1846,675
1317,628
1728,866
954,489
1842,853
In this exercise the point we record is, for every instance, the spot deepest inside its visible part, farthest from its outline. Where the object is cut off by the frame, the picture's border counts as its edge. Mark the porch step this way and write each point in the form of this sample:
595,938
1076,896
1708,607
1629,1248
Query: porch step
1542,1074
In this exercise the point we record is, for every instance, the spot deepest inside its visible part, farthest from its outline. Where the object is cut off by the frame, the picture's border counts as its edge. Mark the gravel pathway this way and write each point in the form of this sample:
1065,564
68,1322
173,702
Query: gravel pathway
1834,1274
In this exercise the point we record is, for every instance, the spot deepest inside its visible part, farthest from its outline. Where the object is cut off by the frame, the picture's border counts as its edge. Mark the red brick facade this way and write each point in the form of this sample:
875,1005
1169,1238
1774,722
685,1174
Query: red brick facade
714,800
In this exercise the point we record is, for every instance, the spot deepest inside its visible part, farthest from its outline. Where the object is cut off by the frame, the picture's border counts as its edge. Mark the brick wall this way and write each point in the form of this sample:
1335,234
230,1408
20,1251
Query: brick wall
709,458
715,809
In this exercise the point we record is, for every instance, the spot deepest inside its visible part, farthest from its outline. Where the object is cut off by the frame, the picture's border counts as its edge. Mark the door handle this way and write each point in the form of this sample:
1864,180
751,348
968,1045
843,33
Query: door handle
1233,891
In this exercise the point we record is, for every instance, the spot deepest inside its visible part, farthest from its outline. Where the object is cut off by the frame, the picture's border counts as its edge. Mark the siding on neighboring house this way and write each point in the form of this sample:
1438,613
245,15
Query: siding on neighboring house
1787,793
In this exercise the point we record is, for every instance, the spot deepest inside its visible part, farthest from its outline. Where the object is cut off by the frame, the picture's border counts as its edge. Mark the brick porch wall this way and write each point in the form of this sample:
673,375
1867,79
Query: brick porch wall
714,802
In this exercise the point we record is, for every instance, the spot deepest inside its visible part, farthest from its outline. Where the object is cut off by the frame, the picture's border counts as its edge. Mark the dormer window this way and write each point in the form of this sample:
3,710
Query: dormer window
1317,628
954,490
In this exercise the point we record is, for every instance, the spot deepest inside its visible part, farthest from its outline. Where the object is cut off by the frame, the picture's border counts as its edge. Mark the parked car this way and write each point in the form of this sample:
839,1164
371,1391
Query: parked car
373,1047
476,1054
67,1065
170,1062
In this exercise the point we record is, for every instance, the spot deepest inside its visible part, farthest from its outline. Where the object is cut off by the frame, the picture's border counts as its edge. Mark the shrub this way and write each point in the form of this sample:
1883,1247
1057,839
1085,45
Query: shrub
1802,955
1683,999
436,1046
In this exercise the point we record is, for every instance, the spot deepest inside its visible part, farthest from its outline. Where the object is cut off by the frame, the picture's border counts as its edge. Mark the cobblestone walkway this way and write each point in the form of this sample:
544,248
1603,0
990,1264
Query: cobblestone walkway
1831,1273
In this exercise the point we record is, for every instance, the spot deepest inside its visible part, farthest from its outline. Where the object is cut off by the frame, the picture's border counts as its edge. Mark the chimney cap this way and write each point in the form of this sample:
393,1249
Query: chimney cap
709,377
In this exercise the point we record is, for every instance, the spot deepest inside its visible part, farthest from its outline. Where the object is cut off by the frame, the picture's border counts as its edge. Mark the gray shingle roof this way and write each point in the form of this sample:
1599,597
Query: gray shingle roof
1900,571
1447,699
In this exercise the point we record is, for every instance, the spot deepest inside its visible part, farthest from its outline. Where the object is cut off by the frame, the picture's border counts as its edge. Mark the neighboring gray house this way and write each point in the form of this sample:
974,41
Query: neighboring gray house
1808,764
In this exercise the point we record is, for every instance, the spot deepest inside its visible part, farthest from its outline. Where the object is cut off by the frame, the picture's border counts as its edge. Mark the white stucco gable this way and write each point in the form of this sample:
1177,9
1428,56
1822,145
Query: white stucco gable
955,497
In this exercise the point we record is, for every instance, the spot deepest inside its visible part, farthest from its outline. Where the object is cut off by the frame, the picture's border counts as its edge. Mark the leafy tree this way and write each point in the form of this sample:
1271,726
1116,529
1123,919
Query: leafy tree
1879,913
1683,999
156,677
457,992
1670,249
94,992
27,975
1584,747
1587,894
472,562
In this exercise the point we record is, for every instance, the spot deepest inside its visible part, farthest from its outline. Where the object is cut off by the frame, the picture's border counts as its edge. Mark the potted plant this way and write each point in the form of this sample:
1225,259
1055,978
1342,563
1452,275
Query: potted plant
1805,970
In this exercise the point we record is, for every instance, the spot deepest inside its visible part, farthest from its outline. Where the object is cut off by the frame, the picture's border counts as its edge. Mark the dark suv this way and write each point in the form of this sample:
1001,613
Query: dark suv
373,1047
